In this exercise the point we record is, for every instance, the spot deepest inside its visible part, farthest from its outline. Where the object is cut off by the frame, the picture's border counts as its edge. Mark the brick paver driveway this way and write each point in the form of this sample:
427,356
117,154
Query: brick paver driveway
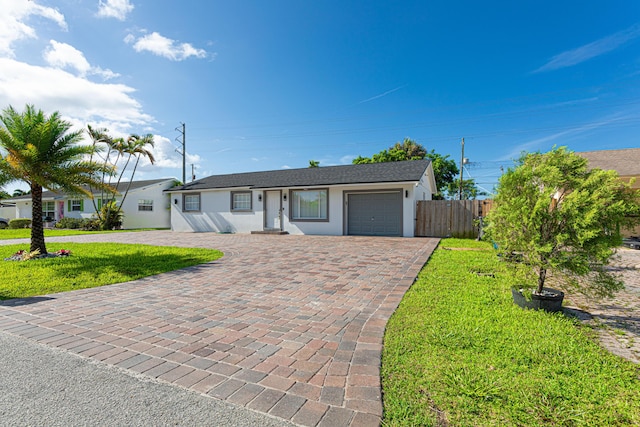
287,325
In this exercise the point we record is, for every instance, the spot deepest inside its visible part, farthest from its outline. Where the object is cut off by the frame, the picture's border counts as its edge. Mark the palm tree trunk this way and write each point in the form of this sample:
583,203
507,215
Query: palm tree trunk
124,196
37,230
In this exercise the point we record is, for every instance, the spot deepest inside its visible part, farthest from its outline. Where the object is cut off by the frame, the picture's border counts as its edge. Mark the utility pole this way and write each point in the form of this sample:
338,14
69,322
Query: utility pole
183,141
461,169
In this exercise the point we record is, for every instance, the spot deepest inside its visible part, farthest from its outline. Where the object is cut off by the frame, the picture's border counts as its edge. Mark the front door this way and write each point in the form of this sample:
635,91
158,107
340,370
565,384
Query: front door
273,210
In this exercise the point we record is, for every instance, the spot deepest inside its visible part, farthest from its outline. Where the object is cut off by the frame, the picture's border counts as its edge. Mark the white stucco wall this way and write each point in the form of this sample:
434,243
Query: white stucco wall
215,215
159,217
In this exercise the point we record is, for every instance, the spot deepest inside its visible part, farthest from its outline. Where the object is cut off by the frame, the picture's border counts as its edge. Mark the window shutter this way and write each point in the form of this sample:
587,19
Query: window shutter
99,204
81,205
69,205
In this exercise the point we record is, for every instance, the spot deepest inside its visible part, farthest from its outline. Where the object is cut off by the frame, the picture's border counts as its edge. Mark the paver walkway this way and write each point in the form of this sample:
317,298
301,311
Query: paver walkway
291,326
617,319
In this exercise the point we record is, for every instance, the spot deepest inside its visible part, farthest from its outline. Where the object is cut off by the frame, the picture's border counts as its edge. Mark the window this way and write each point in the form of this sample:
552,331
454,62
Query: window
191,202
75,205
241,201
49,210
310,205
145,205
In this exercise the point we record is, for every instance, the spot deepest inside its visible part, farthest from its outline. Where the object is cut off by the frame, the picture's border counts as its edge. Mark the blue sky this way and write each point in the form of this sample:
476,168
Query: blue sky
265,85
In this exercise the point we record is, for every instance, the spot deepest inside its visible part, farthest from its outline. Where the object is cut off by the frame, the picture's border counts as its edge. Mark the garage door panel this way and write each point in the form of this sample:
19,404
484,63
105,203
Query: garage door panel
375,214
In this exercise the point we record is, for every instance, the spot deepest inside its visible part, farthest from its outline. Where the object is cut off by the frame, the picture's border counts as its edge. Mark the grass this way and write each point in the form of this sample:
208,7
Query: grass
458,352
91,265
25,233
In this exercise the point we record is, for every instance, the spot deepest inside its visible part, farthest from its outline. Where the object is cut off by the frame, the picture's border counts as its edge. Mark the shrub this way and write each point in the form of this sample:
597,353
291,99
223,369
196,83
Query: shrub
92,224
19,223
70,223
110,217
555,214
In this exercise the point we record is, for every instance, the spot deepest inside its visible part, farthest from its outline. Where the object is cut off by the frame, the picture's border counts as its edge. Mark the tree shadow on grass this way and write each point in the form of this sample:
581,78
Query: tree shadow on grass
85,270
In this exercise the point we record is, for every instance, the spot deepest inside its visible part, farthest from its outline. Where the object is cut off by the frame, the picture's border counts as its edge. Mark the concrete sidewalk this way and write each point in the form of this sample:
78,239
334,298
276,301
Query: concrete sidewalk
291,326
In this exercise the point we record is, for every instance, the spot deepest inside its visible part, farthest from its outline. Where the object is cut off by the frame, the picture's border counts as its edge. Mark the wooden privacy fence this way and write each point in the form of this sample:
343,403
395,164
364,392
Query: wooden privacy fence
450,218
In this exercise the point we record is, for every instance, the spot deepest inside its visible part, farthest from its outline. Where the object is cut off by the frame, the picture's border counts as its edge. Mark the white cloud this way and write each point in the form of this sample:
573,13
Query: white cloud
545,141
13,26
118,9
164,47
167,157
347,160
80,100
591,50
62,55
83,102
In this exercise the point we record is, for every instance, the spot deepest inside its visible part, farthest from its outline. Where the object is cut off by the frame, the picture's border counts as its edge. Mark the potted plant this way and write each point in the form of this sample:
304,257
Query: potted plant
553,215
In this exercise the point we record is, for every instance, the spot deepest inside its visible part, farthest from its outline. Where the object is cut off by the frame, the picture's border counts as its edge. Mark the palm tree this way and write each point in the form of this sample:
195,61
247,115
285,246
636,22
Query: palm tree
136,146
119,150
40,151
18,192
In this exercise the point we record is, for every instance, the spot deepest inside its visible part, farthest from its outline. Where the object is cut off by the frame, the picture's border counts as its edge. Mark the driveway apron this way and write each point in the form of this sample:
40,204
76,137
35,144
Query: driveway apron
291,326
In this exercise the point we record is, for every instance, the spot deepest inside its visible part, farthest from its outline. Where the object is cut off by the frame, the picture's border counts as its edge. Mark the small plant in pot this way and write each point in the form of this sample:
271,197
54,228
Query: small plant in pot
554,216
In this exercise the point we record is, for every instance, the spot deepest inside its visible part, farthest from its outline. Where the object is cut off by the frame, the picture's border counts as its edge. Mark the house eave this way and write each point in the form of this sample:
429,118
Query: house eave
280,187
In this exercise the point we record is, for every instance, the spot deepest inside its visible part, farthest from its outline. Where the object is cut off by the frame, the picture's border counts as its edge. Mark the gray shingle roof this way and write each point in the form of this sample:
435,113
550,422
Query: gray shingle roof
122,187
407,171
626,162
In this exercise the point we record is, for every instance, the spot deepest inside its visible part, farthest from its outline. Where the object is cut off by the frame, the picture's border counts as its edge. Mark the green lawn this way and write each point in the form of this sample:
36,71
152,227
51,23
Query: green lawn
91,265
458,352
25,233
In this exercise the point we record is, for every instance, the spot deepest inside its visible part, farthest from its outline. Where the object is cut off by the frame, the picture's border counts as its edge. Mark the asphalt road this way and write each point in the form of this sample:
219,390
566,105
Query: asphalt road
42,386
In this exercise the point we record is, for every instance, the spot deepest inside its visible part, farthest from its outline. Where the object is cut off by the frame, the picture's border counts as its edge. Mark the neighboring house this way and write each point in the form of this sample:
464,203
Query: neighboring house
146,206
7,210
376,199
626,162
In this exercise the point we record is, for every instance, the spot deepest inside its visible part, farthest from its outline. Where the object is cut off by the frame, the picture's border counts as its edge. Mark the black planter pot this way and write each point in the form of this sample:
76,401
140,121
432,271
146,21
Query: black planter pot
550,300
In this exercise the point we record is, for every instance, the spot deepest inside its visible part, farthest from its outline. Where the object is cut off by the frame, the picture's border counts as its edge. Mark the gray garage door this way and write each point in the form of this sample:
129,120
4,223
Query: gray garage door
374,214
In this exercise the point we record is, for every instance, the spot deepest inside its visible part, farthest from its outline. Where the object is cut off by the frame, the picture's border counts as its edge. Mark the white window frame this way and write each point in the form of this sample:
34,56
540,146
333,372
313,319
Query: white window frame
50,213
296,202
76,205
191,202
145,205
239,205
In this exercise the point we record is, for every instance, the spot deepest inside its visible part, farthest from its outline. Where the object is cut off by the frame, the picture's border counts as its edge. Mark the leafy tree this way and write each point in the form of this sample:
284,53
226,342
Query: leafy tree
400,151
469,190
4,195
314,163
128,151
556,215
444,169
40,151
